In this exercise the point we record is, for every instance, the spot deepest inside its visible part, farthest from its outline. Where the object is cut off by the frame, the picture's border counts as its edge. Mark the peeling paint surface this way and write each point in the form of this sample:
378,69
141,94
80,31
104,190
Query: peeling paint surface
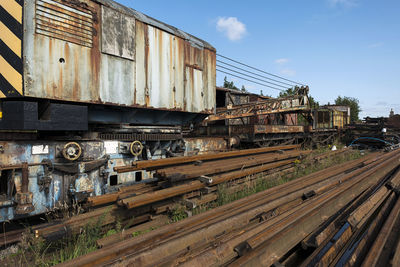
114,57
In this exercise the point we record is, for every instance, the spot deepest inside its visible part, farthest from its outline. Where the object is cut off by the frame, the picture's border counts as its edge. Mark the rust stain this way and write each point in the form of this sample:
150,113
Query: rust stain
95,56
172,68
49,88
67,60
146,64
160,60
138,35
205,80
60,82
76,89
187,53
192,86
171,58
82,6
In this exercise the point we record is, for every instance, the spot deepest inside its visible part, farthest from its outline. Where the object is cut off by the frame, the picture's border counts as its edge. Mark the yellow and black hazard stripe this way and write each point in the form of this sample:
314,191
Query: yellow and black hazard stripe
11,34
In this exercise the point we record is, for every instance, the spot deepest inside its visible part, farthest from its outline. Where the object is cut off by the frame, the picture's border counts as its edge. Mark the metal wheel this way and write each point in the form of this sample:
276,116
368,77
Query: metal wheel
136,148
72,151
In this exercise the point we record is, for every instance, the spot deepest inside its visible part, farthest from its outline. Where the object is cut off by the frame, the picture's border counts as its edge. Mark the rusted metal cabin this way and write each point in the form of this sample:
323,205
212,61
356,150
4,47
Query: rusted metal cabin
101,62
331,116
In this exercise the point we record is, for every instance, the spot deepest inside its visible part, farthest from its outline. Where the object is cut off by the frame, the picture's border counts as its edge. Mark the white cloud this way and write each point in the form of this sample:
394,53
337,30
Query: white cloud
281,61
232,28
288,72
344,3
375,45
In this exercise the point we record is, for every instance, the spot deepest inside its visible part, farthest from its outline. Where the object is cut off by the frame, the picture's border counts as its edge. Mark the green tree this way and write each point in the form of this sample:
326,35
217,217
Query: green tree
229,85
353,103
287,92
293,91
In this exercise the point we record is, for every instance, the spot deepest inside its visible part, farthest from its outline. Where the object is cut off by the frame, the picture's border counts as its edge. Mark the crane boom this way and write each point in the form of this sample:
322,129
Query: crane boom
290,104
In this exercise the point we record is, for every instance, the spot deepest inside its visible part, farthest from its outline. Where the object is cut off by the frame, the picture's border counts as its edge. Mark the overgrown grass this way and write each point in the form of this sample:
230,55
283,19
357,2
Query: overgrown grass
178,213
137,233
37,252
261,182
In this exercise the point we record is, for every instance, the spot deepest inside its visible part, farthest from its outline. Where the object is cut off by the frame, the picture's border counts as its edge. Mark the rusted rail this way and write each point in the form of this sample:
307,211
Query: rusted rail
293,202
190,171
141,165
141,200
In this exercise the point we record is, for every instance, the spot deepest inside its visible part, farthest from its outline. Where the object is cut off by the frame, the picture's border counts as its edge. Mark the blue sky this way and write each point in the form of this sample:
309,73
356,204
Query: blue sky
337,47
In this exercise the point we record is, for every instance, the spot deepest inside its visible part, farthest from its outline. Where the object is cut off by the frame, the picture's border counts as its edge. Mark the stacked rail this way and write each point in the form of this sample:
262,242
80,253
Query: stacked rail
341,215
191,181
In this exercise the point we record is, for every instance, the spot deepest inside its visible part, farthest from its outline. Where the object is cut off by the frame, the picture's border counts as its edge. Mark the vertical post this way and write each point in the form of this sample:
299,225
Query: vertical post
25,178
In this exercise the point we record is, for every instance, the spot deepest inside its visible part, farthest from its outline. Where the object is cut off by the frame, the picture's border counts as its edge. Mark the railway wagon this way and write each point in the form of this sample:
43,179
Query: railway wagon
85,86
81,52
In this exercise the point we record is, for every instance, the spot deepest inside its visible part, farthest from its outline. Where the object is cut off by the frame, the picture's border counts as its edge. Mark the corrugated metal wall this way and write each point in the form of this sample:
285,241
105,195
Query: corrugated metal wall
121,61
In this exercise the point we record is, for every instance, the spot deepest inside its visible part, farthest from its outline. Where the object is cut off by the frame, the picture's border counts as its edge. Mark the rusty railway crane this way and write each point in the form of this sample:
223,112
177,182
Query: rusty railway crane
86,86
246,119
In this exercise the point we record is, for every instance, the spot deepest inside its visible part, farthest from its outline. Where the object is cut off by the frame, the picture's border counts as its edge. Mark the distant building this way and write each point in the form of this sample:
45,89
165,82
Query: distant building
391,114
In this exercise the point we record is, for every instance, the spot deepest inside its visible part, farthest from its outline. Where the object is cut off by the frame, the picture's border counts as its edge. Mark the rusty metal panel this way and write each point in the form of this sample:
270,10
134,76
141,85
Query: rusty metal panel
194,90
57,20
160,68
209,80
56,67
118,34
155,23
117,80
194,56
179,72
141,46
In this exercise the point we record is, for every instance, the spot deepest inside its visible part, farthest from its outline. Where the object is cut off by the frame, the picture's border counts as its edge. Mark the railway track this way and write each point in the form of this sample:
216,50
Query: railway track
347,215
